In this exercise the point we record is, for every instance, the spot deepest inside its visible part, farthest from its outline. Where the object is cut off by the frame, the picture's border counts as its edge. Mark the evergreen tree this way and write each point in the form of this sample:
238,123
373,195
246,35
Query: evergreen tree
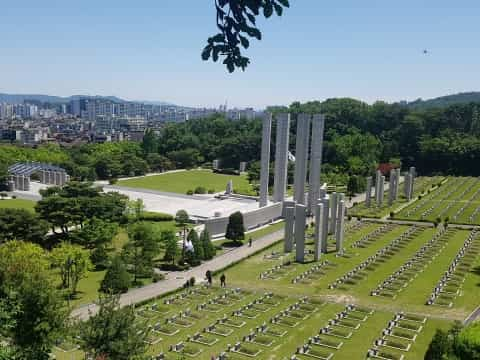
117,279
235,229
199,254
171,246
440,346
143,246
209,249
114,333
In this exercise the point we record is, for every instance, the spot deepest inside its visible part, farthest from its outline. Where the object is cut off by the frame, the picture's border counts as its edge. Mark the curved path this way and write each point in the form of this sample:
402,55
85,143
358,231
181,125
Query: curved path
175,279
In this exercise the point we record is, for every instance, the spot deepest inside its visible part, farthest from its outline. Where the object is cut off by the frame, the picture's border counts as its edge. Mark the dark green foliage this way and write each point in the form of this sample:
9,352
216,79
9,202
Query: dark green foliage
117,279
439,347
21,224
200,190
143,246
171,246
235,229
154,216
467,343
75,203
236,22
99,257
209,249
199,253
113,333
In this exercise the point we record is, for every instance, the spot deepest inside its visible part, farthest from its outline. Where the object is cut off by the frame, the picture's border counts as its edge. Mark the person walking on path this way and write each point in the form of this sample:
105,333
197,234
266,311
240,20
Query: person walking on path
250,242
222,281
208,275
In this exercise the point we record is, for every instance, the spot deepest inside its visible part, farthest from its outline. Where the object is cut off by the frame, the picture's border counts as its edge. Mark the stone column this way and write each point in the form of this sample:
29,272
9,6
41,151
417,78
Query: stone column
339,236
265,159
243,166
368,192
397,182
300,222
408,186
42,176
63,177
26,183
67,178
413,173
318,230
391,188
289,223
323,191
20,182
318,126
333,212
378,175
301,155
58,181
281,157
326,207
381,190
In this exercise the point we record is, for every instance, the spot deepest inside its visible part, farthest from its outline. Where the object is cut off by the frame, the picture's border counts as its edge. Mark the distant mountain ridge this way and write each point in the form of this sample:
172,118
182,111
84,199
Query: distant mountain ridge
20,98
444,101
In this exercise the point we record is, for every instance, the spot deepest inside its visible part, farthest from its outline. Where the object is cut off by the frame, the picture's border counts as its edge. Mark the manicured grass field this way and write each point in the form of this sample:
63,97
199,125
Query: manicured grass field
183,181
457,200
17,204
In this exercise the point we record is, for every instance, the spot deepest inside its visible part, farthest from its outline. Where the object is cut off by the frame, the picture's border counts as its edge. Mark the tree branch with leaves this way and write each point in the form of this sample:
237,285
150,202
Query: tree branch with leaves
236,22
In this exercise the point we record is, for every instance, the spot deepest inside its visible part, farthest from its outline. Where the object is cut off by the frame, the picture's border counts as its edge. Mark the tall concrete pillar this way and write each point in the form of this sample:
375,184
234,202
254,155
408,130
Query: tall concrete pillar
381,191
265,159
318,230
326,207
340,234
323,191
289,225
281,157
368,192
413,173
333,212
397,182
42,176
408,186
378,175
300,222
301,156
391,188
318,126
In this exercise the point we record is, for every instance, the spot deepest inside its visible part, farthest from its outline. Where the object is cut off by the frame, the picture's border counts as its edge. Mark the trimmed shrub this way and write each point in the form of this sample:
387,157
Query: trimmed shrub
211,191
157,277
190,192
156,217
200,190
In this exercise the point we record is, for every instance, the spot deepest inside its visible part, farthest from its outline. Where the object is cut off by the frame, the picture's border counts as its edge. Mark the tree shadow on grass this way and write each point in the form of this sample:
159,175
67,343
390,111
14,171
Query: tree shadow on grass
476,271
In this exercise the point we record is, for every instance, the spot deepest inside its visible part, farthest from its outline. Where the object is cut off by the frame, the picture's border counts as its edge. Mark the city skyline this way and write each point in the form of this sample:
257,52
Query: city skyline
313,52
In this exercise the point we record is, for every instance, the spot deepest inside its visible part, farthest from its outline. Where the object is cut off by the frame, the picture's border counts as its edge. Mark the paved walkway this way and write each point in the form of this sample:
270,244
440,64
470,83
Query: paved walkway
175,279
473,316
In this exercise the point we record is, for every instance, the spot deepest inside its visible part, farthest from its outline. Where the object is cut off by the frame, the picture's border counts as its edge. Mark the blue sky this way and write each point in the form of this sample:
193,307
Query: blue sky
150,50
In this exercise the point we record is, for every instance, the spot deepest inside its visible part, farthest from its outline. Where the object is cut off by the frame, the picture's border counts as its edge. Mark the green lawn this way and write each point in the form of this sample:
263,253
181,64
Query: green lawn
17,204
181,182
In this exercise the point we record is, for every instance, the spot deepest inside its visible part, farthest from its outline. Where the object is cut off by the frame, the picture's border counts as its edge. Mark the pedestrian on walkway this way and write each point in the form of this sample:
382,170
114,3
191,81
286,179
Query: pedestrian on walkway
250,242
208,275
222,281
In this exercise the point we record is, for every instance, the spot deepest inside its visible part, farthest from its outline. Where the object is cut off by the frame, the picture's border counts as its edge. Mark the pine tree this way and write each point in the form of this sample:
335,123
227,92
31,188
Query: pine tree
209,249
235,228
198,252
116,280
171,246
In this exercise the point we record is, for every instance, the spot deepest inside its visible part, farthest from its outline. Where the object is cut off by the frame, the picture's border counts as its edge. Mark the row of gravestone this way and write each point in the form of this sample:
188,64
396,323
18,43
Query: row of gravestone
371,237
449,285
331,337
398,337
400,279
385,253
